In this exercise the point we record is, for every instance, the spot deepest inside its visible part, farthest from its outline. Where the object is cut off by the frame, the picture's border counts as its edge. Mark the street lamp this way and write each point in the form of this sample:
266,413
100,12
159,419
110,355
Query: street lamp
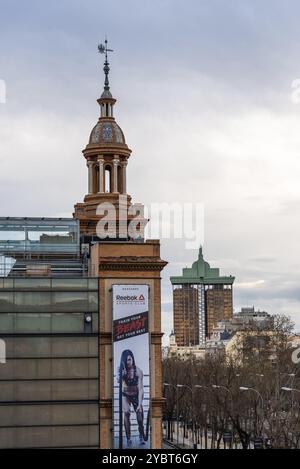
290,375
177,414
284,388
192,395
290,382
219,386
291,390
244,388
199,386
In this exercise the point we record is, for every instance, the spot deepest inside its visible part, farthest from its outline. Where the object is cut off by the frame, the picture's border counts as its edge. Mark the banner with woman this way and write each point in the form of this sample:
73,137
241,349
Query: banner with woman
131,388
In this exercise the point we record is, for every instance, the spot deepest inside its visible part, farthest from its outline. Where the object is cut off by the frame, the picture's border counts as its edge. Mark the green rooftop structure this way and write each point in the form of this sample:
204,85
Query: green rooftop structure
201,298
201,272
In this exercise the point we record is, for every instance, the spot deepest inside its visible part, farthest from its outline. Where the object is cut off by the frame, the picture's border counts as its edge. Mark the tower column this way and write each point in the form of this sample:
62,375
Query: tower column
101,174
90,176
116,162
124,165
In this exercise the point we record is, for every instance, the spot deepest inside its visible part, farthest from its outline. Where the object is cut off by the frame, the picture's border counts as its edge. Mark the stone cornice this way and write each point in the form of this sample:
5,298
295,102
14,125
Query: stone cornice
105,338
158,401
131,263
93,149
105,403
156,338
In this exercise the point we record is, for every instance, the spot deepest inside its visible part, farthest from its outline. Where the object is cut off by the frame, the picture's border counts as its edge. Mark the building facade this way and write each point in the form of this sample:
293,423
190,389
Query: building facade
49,383
56,311
201,298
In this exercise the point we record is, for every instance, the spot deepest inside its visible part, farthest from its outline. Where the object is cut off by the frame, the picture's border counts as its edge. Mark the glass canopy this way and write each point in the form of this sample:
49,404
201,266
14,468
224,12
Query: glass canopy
34,235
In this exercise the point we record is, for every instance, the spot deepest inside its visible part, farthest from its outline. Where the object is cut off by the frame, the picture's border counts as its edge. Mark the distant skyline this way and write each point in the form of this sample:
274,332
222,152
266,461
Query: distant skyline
204,92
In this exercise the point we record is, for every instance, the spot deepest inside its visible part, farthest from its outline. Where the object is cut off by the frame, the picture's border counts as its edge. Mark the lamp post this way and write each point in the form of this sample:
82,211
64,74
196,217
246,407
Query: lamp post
291,390
177,414
199,386
290,381
284,388
219,386
192,395
292,376
244,388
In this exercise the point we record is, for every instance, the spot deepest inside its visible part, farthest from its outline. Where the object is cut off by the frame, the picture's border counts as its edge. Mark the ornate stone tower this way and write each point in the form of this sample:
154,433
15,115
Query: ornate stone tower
123,260
107,157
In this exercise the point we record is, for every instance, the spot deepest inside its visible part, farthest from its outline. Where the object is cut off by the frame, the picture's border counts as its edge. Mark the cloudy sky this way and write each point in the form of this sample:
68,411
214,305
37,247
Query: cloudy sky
205,99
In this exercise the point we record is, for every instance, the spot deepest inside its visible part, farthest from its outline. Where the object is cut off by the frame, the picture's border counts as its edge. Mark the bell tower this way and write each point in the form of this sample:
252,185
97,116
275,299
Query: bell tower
107,156
125,261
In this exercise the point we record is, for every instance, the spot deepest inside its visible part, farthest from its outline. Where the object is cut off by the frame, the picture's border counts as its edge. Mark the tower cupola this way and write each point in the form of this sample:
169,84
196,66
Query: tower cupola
107,157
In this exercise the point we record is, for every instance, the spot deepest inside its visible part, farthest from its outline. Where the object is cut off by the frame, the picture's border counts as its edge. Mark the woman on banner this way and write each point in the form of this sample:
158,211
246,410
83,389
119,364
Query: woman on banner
132,394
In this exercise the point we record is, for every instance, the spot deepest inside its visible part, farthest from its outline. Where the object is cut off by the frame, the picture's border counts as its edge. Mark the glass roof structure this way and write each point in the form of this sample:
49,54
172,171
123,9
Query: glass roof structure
38,235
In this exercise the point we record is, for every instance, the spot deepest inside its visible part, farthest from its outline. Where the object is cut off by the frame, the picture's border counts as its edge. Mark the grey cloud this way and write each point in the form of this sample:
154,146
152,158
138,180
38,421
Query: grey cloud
203,93
263,260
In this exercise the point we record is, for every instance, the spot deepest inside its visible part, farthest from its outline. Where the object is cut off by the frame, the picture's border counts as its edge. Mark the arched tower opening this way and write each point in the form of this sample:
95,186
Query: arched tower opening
120,180
108,183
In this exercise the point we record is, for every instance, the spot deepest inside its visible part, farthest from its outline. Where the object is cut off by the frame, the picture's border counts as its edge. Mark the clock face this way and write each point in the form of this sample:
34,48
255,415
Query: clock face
107,133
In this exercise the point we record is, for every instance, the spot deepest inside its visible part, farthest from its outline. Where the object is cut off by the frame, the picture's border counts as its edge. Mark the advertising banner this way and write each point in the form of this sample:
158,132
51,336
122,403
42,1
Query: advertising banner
131,367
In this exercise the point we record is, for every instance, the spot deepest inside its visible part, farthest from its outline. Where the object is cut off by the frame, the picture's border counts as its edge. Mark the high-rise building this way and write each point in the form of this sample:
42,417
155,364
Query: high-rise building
58,323
201,298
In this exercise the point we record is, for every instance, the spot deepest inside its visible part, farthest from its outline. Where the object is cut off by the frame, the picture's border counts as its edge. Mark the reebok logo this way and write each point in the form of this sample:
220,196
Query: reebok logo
127,298
130,298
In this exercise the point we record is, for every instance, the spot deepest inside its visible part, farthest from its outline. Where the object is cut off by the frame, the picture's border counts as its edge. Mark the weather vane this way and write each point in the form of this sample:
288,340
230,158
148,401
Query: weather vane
102,49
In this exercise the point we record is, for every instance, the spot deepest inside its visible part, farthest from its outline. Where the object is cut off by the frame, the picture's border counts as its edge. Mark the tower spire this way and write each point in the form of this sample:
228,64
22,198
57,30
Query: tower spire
103,49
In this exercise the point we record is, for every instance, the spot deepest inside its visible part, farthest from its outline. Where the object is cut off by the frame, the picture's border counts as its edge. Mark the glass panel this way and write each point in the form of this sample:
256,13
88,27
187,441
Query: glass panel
48,346
6,282
6,301
32,322
67,322
48,390
93,301
36,437
70,283
39,235
70,301
32,283
32,301
7,322
75,346
95,322
93,283
44,322
55,414
44,368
